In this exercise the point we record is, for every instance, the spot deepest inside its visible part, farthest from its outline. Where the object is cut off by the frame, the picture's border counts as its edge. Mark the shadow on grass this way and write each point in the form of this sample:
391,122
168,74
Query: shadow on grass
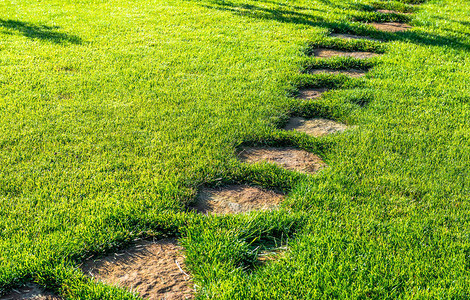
42,32
284,13
287,14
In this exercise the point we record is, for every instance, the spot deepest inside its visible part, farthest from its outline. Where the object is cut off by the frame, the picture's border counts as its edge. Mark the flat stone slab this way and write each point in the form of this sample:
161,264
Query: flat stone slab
235,199
355,73
308,94
391,27
315,127
286,157
388,11
154,270
352,37
327,53
30,292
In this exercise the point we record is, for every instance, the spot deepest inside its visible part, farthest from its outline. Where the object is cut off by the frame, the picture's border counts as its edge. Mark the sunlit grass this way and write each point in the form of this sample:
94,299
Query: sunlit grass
113,113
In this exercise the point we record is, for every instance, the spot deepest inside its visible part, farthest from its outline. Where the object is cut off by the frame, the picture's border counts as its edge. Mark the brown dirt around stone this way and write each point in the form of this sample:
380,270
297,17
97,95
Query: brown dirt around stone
327,53
391,27
353,37
355,73
289,158
151,269
315,127
29,292
308,94
234,199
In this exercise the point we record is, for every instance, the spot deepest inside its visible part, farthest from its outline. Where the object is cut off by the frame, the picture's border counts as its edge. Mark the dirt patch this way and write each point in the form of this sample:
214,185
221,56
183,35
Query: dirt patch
388,11
353,37
289,158
154,270
327,53
236,199
315,127
29,292
355,73
391,26
308,94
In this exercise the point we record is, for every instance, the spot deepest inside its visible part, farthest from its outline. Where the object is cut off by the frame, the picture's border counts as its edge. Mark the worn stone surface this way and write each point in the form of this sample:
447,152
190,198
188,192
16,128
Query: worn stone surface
355,73
353,37
327,53
391,26
154,270
388,11
315,127
234,199
287,157
308,94
29,292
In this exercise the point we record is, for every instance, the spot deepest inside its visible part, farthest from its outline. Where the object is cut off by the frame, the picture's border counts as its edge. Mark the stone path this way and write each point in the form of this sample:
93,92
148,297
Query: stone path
391,26
318,126
156,270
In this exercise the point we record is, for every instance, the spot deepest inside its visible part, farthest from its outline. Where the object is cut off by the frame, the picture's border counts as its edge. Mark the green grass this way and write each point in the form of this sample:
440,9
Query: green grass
113,113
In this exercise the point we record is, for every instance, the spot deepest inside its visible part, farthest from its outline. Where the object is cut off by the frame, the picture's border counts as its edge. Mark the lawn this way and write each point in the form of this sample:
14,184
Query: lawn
114,113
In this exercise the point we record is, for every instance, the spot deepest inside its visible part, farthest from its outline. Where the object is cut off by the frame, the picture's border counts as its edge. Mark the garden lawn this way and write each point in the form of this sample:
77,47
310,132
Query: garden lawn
114,113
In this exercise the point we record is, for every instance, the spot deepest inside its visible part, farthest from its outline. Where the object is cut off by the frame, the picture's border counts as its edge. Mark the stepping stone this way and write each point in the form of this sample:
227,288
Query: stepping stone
353,37
315,127
308,94
288,158
387,11
391,26
154,270
327,53
355,73
29,292
235,199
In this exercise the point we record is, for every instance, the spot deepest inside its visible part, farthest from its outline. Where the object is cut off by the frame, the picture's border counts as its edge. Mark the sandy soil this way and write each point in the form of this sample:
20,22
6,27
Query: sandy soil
327,53
387,11
352,37
391,26
30,292
236,199
355,73
150,269
315,127
289,158
308,94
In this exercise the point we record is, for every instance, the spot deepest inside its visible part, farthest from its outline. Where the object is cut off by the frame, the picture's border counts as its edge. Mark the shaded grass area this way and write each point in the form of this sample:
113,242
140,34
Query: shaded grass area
33,31
107,140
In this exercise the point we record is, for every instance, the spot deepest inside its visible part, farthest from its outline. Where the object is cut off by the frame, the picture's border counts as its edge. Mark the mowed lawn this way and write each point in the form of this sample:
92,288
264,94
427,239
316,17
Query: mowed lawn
114,113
